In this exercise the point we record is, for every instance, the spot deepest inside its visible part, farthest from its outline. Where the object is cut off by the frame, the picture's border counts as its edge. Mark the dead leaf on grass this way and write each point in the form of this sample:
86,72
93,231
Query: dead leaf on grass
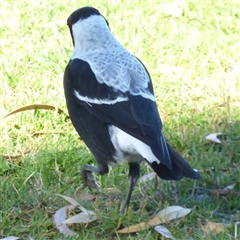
164,232
212,227
74,202
235,229
37,134
223,192
60,216
10,238
111,203
230,187
147,177
69,199
15,156
214,137
163,216
168,214
37,106
83,197
81,217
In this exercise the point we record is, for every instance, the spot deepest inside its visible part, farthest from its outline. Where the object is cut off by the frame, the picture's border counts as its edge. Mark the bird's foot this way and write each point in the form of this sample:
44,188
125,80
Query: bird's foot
89,181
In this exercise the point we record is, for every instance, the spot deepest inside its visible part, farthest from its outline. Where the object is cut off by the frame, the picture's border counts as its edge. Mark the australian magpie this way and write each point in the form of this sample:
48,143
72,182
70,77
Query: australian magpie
111,103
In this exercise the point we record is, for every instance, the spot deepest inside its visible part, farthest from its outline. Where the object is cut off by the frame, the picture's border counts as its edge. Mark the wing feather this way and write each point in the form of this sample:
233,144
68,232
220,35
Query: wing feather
134,114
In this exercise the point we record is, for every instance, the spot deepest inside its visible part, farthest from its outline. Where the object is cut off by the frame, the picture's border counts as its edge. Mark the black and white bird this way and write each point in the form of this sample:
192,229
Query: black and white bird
111,103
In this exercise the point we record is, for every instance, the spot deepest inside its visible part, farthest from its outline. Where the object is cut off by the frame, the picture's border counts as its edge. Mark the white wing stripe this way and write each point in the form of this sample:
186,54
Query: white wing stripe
98,101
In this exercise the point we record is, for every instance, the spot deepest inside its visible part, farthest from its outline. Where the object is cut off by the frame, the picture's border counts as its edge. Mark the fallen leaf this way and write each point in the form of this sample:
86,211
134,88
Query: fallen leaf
230,187
60,216
162,216
223,192
69,199
111,203
83,197
135,228
15,156
164,232
36,106
37,134
9,238
235,229
213,137
119,223
147,177
74,202
212,227
168,214
81,218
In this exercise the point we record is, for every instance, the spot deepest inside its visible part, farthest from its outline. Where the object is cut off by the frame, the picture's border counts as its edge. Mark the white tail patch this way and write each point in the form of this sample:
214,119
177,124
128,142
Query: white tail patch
125,143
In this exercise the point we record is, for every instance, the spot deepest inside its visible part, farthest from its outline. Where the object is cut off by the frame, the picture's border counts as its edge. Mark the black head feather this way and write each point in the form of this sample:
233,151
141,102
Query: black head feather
82,13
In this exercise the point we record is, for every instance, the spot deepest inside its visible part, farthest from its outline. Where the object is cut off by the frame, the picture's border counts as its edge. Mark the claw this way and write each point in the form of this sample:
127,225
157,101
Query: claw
89,181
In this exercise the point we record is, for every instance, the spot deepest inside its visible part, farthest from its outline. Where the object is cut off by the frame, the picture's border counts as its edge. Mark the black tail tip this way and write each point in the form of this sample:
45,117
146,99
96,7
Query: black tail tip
195,175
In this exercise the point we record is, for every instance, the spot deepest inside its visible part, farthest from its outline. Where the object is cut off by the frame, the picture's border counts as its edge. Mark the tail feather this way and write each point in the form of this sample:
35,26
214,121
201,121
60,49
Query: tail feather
180,168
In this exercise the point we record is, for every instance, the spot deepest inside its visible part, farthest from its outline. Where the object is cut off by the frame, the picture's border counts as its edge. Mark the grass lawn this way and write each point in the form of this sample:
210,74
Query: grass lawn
194,62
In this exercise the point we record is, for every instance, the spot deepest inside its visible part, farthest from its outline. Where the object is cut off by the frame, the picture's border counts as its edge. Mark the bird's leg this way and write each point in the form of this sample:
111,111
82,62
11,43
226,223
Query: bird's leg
133,176
87,176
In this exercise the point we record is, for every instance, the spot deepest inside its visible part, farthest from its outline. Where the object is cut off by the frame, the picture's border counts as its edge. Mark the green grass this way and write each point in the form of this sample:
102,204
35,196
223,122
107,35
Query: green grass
195,67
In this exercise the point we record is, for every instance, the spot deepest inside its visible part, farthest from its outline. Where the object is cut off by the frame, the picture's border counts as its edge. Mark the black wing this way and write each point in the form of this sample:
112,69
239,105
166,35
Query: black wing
136,115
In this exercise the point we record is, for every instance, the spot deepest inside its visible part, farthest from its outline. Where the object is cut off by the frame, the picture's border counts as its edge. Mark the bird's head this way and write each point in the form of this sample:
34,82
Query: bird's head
88,28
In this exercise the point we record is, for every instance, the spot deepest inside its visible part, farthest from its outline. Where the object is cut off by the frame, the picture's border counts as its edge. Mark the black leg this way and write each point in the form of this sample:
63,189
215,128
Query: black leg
133,176
87,177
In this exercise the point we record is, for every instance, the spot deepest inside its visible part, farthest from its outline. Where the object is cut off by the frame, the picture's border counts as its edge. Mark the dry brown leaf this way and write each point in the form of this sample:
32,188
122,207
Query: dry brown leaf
111,203
37,106
214,137
168,214
15,156
223,192
147,177
135,228
212,227
83,197
163,216
164,232
119,223
37,134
